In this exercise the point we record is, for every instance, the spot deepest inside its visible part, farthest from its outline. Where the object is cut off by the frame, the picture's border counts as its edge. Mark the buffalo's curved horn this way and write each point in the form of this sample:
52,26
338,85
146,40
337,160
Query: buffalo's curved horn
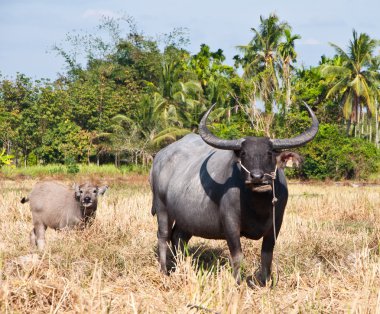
214,141
301,139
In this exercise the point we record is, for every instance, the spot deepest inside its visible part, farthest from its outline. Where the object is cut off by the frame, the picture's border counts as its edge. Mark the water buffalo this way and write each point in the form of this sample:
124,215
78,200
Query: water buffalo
222,189
57,206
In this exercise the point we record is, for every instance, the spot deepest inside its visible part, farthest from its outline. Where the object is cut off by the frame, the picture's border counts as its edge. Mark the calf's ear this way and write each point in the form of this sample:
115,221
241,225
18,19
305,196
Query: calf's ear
77,191
102,189
288,159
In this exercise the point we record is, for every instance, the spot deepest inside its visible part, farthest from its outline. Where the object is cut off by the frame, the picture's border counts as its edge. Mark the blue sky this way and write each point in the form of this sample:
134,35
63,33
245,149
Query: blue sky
29,28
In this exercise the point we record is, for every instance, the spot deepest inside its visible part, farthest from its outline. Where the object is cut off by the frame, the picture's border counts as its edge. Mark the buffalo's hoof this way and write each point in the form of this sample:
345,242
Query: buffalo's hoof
164,271
256,281
253,282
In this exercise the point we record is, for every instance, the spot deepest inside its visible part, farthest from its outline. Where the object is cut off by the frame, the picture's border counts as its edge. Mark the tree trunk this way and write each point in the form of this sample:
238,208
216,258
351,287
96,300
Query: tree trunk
377,139
362,119
348,127
9,146
356,116
117,159
288,90
357,131
88,157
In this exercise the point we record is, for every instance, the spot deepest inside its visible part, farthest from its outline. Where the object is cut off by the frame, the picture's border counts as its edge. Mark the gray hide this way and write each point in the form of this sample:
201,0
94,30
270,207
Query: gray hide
218,189
58,206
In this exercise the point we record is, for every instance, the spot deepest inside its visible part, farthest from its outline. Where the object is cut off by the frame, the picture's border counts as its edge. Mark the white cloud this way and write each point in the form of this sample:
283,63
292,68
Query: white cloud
311,42
91,13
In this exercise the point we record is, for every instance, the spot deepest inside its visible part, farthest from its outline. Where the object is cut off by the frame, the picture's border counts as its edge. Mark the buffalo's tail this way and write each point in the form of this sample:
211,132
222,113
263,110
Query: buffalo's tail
153,210
24,200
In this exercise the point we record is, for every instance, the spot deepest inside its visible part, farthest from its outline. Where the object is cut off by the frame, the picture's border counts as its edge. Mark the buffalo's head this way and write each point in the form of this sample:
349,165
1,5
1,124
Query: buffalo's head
260,156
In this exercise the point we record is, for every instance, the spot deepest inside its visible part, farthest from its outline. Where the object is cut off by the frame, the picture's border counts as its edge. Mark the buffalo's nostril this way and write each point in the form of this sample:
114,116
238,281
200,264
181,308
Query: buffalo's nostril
87,199
256,175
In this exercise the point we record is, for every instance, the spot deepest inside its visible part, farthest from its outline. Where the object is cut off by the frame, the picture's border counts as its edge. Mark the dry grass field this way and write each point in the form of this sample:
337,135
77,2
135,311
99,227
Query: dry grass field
327,258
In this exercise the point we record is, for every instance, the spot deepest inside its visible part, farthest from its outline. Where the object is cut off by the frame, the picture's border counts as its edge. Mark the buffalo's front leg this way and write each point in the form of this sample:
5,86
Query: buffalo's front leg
266,260
232,231
264,273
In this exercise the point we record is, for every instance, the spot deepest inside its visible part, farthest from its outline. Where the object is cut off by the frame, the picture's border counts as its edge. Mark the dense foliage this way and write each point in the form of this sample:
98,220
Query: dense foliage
333,155
135,95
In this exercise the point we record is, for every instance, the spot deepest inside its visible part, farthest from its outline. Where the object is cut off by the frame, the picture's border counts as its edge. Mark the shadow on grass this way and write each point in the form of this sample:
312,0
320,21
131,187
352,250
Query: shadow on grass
203,257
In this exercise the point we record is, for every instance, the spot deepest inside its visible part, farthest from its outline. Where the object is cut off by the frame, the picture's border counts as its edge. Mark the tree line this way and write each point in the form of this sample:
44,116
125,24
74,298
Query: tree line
136,94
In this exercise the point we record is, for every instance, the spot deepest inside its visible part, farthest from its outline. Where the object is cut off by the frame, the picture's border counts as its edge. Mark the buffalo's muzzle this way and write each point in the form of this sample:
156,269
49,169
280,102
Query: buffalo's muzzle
261,186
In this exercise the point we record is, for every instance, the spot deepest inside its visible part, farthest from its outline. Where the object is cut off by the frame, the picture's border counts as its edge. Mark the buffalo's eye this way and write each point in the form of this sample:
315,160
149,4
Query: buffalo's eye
81,192
95,191
242,154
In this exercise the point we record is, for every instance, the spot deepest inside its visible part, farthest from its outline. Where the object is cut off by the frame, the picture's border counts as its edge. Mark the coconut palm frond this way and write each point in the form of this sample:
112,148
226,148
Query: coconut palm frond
169,135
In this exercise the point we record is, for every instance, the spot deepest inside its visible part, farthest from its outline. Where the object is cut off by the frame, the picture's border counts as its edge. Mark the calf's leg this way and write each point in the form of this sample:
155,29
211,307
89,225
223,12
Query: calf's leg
39,230
33,238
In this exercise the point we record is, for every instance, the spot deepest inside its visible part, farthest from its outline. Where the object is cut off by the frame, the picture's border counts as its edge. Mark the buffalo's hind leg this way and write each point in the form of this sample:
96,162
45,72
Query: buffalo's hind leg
163,235
179,239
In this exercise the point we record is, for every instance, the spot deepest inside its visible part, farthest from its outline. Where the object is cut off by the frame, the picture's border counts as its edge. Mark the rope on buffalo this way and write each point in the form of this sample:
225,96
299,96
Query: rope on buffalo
274,201
272,175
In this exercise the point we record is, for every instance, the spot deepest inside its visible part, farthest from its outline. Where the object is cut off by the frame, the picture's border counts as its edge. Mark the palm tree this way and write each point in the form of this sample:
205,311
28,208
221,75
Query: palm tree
180,92
261,57
287,55
376,67
353,79
214,77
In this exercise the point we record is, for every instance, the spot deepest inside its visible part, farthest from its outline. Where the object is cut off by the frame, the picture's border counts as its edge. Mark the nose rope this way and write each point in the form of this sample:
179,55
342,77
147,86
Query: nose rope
272,175
241,165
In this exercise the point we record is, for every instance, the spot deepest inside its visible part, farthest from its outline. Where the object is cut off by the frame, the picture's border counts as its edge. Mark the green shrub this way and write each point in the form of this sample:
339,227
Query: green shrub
333,155
4,158
71,165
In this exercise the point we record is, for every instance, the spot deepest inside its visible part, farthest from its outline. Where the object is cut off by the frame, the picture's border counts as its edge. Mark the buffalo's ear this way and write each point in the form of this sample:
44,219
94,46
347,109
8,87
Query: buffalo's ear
77,190
102,189
237,154
288,159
